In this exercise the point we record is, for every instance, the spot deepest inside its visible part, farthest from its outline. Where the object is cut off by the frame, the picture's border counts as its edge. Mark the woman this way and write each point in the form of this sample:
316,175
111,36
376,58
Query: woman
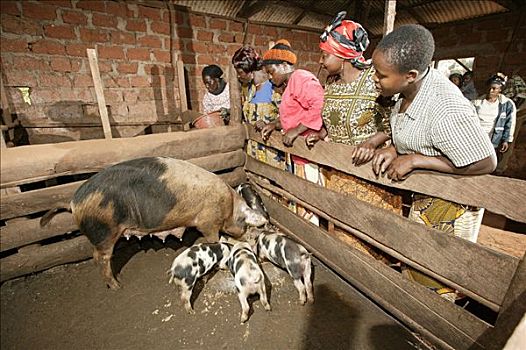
217,99
433,127
350,113
456,78
300,108
497,114
260,103
468,86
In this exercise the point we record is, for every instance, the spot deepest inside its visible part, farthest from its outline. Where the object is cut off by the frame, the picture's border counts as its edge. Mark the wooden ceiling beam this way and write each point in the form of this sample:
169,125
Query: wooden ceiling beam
252,7
304,12
510,4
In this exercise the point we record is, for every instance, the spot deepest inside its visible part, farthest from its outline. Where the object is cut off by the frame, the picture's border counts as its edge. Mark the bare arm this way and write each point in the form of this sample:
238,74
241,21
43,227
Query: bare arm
364,152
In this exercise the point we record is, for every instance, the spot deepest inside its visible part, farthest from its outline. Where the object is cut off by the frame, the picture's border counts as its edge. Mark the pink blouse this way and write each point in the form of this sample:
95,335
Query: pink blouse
301,103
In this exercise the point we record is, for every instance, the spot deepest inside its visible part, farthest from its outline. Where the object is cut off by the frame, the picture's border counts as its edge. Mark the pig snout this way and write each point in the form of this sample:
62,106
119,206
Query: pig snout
248,277
252,198
290,256
194,263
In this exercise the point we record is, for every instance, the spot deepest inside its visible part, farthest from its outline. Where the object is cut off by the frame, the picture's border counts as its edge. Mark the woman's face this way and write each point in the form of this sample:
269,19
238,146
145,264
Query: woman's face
211,84
277,76
494,91
243,76
455,80
331,63
388,80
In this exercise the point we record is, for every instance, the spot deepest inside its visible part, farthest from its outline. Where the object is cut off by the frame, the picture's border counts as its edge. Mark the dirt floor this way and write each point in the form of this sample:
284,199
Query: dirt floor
68,307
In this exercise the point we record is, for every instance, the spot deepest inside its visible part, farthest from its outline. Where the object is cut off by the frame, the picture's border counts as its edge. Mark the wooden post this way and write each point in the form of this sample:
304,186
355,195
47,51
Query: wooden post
235,95
389,16
182,86
6,114
97,81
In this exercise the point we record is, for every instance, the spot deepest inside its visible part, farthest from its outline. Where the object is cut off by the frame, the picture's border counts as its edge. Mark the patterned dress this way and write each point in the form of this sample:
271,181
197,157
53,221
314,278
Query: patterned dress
351,116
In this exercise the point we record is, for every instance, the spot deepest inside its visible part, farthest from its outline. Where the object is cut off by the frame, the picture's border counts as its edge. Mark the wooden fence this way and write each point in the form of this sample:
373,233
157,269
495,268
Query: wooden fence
493,279
218,149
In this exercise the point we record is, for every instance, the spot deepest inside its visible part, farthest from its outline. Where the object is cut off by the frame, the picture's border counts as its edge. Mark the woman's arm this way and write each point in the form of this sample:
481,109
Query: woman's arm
292,134
314,137
269,128
364,152
400,167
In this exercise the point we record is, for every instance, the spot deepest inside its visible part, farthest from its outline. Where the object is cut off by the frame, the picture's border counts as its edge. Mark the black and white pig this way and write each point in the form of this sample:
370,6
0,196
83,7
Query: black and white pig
291,256
252,198
159,196
194,263
248,277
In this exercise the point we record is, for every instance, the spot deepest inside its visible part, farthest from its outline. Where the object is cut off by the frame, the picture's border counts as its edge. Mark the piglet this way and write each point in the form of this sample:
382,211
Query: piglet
254,201
194,263
248,276
291,256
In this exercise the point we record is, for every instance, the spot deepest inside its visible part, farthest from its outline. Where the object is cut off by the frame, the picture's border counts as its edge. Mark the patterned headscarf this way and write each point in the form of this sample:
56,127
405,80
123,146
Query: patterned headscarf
345,39
279,53
498,78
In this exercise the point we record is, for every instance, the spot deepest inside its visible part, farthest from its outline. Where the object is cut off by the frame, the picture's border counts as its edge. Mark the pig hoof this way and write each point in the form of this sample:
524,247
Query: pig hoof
244,318
268,308
114,285
310,300
302,301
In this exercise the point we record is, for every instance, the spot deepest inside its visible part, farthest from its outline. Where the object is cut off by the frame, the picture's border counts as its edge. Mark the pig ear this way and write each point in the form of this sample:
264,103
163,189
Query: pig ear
252,218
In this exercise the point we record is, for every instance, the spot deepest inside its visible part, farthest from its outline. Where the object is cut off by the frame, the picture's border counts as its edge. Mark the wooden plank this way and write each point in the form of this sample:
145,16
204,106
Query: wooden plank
43,199
18,234
32,163
412,303
513,309
497,194
6,110
389,16
182,86
30,124
235,95
478,269
99,92
40,258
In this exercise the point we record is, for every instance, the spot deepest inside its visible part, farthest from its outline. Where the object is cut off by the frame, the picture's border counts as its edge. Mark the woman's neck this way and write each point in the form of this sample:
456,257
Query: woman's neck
349,72
492,99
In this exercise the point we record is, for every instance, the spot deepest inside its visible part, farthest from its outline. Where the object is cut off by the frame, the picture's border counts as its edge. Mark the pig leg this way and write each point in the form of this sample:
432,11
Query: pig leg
210,232
301,290
245,308
263,297
186,294
308,282
103,259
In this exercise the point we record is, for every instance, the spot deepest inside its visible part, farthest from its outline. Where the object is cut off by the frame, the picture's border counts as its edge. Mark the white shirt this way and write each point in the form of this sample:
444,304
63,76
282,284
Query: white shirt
487,114
212,103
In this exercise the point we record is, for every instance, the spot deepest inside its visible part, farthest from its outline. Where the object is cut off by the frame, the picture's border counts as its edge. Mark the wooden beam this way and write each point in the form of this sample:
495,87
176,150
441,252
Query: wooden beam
181,83
510,4
30,202
251,8
478,269
18,164
235,95
99,92
415,305
304,12
490,192
389,16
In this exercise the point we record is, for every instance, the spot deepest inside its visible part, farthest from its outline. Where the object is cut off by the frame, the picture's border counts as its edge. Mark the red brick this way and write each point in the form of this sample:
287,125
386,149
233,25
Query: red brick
136,25
205,59
160,27
151,13
101,20
149,41
59,32
96,5
74,17
39,10
123,82
94,36
138,81
82,80
235,27
204,35
130,96
60,64
186,32
197,47
228,38
31,63
53,80
130,68
153,69
270,31
162,55
9,8
20,78
181,18
138,54
48,47
498,35
110,52
118,37
197,21
117,9
13,45
61,3
166,17
76,65
255,29
17,25
216,23
105,66
78,49
113,96
514,59
188,58
85,95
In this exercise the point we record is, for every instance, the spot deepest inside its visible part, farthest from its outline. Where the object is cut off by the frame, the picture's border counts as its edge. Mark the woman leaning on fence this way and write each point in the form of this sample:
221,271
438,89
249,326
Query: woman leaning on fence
260,103
433,127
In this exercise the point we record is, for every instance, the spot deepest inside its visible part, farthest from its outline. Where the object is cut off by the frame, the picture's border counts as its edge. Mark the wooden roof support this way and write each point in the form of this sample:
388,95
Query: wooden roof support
97,81
389,16
251,7
304,12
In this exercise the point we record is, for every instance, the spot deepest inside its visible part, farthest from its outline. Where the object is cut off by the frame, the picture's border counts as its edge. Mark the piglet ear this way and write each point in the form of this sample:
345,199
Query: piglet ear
252,218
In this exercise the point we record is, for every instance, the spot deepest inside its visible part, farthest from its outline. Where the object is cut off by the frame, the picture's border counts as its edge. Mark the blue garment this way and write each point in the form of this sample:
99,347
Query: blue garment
504,120
264,94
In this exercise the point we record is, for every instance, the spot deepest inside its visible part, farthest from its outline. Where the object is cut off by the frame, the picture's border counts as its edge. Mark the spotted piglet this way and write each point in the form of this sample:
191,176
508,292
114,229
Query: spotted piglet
248,277
292,257
194,263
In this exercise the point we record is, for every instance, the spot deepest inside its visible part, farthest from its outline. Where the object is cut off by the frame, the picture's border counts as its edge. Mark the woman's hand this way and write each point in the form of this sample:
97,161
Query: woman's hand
383,158
363,153
267,130
260,124
290,136
504,146
311,139
400,167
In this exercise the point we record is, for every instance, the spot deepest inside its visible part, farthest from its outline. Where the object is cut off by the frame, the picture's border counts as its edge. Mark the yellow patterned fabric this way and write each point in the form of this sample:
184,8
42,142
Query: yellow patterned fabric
350,112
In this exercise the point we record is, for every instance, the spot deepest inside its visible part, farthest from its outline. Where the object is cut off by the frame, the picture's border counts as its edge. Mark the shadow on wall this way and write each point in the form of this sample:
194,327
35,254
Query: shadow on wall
173,112
187,51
